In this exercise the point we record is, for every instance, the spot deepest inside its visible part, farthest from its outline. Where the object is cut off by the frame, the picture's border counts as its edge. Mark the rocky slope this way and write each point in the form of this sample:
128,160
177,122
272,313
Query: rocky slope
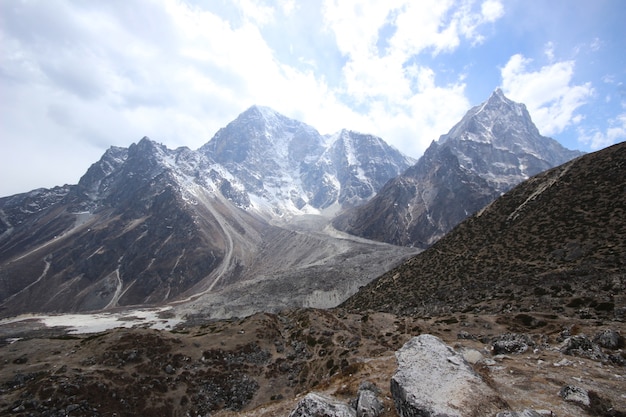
265,364
494,147
123,236
558,239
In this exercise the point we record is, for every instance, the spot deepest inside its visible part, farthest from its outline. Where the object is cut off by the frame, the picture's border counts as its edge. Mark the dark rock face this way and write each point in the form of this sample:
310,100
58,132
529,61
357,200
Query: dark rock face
132,241
494,147
420,206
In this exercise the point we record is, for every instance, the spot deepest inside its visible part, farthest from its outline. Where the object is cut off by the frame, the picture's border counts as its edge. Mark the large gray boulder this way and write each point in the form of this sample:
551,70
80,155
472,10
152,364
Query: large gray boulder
433,380
367,403
316,405
576,395
609,339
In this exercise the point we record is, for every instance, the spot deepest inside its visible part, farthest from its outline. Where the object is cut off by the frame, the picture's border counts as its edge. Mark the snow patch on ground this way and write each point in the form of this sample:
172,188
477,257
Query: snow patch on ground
99,322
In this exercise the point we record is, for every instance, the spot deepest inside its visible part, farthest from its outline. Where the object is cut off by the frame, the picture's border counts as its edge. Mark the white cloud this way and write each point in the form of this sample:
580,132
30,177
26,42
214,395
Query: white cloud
597,139
256,12
383,43
492,10
548,92
287,6
88,75
549,51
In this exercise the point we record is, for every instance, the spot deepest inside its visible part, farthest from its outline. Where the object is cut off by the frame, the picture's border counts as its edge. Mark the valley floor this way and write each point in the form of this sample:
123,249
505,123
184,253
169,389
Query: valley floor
263,364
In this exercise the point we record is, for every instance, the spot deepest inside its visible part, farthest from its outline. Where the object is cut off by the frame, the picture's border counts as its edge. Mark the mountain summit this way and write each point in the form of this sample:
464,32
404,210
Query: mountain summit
498,141
287,167
494,147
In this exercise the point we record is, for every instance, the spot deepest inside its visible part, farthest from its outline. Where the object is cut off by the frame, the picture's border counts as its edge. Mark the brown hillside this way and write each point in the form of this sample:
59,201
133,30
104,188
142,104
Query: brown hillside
556,243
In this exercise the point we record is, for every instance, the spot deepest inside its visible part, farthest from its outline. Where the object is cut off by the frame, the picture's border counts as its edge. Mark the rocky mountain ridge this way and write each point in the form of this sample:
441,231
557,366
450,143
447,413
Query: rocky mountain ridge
494,147
289,166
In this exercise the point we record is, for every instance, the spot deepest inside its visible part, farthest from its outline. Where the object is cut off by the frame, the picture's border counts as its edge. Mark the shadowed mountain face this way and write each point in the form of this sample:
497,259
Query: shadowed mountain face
539,247
494,147
122,236
147,225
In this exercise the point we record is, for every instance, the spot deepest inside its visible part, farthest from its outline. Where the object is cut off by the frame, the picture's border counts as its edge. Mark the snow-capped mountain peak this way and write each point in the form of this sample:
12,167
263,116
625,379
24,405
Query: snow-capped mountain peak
494,147
500,133
287,165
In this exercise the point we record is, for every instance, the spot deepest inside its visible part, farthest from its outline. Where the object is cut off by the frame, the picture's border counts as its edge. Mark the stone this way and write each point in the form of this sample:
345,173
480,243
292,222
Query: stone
463,335
576,395
511,343
433,380
316,405
563,362
608,339
368,404
472,356
580,345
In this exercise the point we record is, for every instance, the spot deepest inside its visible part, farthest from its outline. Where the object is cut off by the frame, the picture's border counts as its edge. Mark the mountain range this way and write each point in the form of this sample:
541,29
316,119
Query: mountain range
243,223
526,296
493,148
147,225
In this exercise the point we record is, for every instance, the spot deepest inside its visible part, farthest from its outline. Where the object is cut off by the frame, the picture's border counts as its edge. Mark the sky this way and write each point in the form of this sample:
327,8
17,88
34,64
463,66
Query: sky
79,76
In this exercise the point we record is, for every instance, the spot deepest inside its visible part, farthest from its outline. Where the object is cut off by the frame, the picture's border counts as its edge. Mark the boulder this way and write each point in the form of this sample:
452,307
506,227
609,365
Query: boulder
368,404
576,395
608,339
433,380
512,343
316,405
580,345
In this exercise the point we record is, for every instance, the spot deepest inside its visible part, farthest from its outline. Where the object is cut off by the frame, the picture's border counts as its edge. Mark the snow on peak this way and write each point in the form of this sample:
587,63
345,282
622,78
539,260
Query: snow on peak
266,115
498,94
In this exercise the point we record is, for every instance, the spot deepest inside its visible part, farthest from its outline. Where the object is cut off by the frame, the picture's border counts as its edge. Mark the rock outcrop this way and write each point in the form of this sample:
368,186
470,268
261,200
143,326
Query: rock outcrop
367,403
433,380
609,339
316,405
576,395
511,343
